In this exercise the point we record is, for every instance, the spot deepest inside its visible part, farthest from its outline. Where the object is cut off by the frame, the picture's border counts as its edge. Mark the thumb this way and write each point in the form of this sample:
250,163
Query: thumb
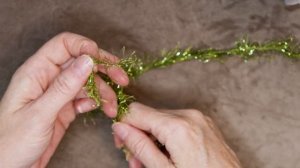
141,146
65,86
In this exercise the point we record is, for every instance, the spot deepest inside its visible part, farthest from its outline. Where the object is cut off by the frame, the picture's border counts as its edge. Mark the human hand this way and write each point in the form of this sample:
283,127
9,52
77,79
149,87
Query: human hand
44,96
191,139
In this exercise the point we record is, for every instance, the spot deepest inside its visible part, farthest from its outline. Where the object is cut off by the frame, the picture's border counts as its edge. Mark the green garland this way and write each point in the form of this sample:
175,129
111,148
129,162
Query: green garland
135,67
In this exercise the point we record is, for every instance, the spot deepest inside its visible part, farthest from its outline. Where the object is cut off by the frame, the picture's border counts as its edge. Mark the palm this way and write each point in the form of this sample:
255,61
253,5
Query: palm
61,124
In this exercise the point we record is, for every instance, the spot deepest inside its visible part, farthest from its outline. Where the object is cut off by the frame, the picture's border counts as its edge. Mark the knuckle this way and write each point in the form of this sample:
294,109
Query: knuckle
198,118
61,84
182,126
195,113
138,147
88,45
208,119
64,34
178,126
93,44
187,130
21,74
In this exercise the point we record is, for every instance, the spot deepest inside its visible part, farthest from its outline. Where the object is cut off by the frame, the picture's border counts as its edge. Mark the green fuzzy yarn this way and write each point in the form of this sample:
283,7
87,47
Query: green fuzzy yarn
135,67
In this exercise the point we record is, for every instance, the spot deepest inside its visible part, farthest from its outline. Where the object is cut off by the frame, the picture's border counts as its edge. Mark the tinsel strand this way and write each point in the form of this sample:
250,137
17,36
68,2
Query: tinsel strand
135,67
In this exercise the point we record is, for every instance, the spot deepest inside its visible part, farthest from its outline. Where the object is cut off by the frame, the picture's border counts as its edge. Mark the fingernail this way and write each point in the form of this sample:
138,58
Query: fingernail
79,110
112,111
120,130
104,100
122,79
83,65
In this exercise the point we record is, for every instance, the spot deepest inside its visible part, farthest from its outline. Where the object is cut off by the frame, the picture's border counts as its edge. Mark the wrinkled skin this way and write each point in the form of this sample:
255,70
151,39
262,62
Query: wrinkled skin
190,138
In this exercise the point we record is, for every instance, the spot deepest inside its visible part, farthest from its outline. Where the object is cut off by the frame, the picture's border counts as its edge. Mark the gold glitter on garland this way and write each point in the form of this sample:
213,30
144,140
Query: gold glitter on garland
135,67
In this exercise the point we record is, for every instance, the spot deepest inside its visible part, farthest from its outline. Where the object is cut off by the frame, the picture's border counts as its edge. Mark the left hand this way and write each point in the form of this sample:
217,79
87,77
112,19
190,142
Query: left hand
44,96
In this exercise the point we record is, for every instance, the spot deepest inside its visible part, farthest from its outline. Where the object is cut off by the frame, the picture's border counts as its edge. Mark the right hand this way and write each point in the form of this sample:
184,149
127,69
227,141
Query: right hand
190,138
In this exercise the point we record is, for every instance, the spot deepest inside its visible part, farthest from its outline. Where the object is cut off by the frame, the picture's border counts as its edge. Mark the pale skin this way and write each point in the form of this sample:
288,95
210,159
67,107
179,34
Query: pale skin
190,138
46,93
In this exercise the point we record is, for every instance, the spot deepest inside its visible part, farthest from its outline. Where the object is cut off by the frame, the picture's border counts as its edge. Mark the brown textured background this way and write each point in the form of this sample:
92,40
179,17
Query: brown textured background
255,104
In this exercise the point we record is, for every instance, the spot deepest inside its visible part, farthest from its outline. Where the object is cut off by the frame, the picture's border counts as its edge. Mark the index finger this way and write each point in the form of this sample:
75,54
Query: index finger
66,45
147,119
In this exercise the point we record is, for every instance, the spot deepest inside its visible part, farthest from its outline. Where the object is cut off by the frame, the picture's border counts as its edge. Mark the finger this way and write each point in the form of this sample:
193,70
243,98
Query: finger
67,64
118,142
171,130
40,70
134,163
65,87
117,74
141,146
84,105
66,45
147,119
108,97
107,56
82,94
162,126
190,114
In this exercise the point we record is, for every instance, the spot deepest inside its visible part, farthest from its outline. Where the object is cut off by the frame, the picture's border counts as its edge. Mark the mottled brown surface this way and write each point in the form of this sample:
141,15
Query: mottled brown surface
255,104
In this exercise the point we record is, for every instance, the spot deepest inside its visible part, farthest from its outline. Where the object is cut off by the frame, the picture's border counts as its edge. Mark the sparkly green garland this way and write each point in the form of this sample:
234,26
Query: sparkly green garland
135,67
